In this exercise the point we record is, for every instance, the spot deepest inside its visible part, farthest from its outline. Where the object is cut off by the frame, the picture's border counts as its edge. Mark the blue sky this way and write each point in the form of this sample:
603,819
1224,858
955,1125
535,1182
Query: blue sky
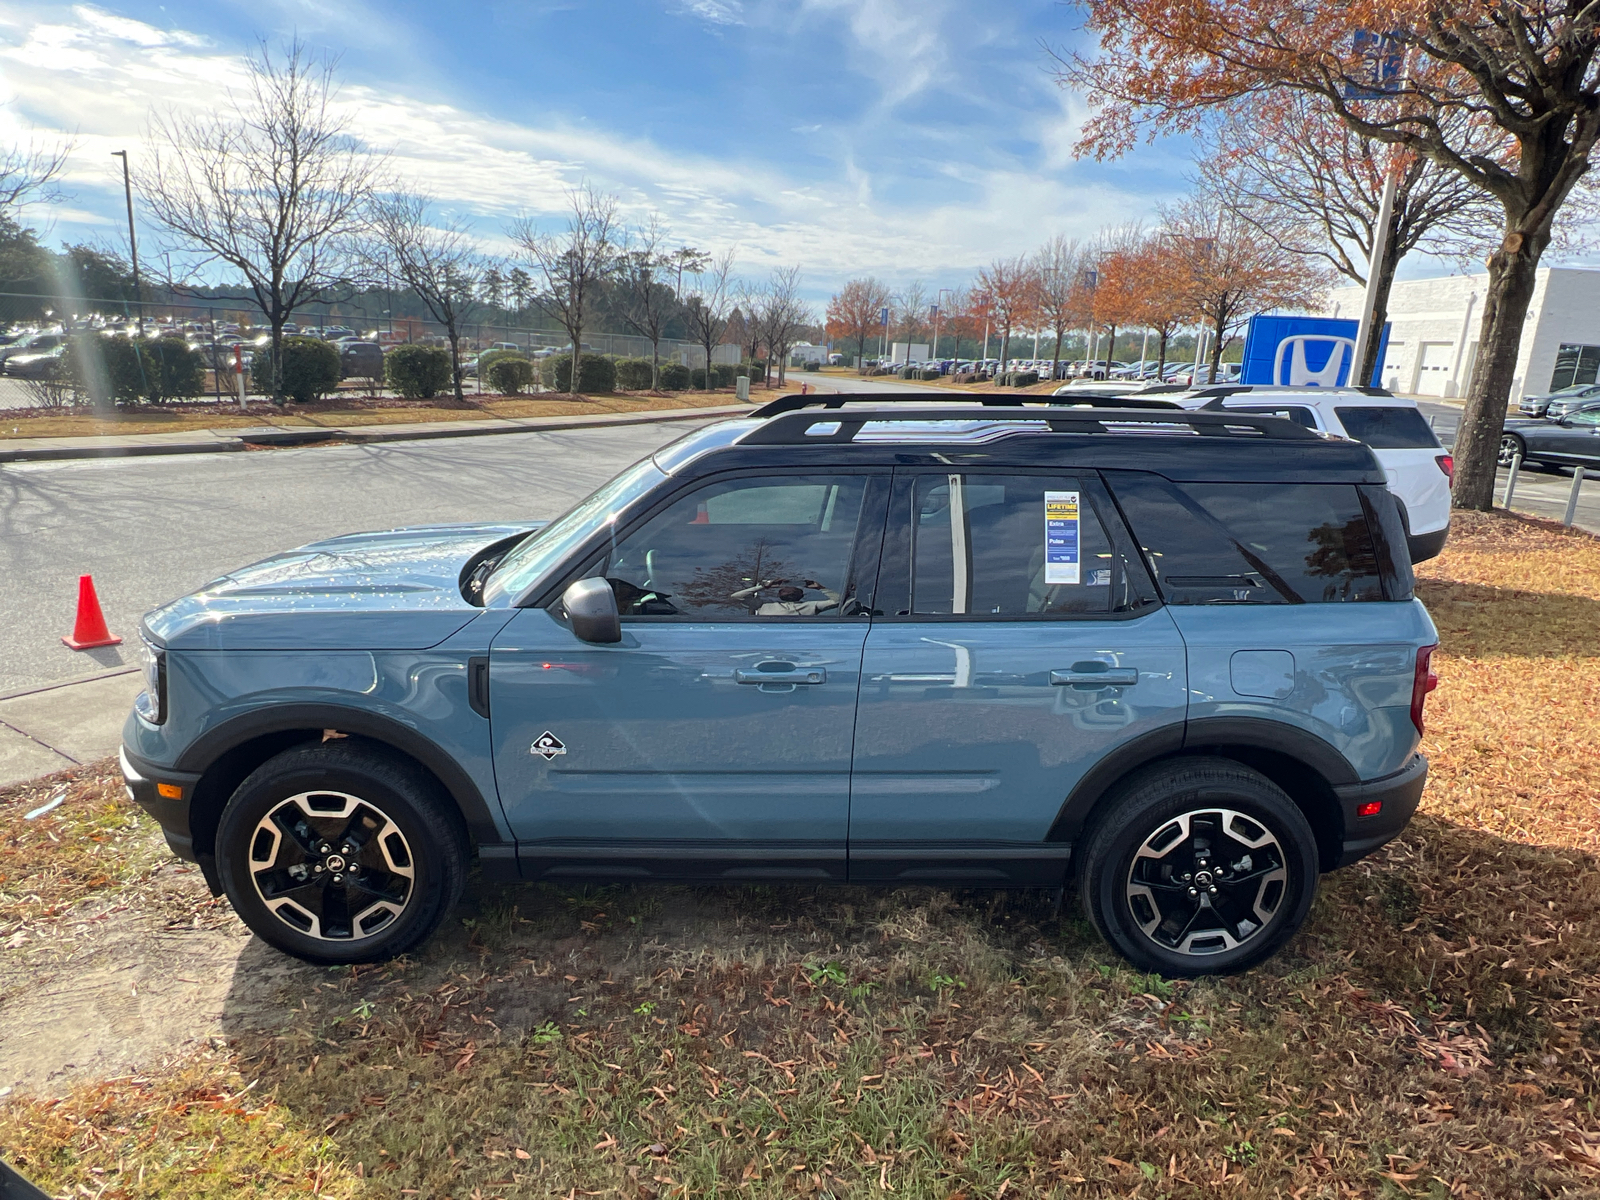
905,138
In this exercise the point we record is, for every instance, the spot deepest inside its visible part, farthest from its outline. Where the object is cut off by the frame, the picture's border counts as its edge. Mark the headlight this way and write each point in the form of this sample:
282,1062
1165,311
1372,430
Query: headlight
152,702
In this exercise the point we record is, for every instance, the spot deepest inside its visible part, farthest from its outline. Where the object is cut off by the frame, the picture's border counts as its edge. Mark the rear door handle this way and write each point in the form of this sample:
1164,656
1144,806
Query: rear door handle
1110,677
781,672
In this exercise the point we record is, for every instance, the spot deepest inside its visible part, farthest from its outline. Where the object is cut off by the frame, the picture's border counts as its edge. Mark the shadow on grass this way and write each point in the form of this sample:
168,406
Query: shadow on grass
1476,620
1441,1007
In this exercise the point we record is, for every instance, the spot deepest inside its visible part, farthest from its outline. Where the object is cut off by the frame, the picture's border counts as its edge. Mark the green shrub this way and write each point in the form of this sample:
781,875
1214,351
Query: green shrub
596,373
510,375
675,377
488,358
310,369
1020,378
126,371
417,372
633,374
756,370
928,373
813,366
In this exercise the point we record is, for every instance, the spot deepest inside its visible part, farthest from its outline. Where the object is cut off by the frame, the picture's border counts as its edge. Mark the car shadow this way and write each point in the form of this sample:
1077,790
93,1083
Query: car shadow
1526,622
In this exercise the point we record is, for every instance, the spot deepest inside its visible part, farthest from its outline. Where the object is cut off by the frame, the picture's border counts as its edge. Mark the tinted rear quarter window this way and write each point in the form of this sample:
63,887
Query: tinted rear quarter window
1388,428
1252,543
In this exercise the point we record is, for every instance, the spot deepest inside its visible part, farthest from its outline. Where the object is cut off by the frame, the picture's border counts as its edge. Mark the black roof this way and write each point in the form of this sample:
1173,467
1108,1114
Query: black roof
1091,433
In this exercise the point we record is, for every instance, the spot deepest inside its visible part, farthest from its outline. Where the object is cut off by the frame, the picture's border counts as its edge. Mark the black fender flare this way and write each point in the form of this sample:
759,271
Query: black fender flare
1219,734
210,746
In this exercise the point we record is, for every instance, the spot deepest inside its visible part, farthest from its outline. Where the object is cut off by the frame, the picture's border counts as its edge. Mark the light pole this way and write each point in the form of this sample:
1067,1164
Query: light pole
1091,279
133,242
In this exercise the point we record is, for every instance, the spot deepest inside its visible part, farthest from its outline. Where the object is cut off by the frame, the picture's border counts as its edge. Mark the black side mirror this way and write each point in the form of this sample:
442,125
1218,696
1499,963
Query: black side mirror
591,606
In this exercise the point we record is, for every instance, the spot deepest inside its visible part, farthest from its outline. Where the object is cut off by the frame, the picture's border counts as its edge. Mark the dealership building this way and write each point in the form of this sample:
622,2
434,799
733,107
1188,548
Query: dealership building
1435,324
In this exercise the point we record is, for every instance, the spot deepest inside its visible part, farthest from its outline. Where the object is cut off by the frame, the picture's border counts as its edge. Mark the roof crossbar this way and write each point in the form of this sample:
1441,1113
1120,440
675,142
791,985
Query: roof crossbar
793,403
793,427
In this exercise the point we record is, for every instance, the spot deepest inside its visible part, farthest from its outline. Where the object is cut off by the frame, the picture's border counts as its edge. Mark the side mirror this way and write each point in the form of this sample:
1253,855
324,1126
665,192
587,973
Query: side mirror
591,606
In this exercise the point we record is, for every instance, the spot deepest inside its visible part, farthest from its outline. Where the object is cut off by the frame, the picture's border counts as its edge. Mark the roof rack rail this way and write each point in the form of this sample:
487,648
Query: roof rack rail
794,403
1234,388
793,427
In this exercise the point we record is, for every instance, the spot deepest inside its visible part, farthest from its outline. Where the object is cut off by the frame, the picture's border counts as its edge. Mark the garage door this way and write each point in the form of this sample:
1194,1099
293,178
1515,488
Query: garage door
1434,360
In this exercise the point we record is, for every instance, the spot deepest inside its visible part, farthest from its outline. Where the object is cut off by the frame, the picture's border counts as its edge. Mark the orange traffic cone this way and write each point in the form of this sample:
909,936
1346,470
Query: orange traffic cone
90,629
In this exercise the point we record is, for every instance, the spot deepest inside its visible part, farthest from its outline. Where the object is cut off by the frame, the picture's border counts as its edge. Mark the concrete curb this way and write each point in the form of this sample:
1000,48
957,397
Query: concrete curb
217,441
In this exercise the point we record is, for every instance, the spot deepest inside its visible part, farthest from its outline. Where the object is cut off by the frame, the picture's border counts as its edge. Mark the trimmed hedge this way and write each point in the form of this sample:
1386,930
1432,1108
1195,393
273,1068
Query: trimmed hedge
812,366
929,373
488,358
417,372
596,373
128,370
675,377
510,375
310,369
633,374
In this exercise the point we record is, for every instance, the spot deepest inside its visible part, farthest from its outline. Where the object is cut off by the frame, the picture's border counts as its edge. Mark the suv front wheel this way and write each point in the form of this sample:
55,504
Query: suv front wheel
340,854
1200,866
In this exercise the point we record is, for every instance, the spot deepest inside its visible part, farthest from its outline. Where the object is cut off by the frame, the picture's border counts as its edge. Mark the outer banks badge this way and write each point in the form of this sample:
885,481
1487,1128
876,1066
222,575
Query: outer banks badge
547,745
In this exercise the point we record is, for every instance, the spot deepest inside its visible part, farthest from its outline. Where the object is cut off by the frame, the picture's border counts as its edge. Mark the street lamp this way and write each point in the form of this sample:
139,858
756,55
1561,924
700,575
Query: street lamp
133,243
943,292
1091,280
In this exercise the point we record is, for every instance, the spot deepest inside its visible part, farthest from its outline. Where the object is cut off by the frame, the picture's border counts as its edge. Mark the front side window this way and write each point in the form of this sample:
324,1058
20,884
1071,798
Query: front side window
1011,546
1587,418
769,547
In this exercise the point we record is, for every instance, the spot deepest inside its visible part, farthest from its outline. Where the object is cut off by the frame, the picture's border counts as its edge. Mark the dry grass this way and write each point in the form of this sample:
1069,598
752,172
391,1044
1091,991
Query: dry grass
1434,1032
345,410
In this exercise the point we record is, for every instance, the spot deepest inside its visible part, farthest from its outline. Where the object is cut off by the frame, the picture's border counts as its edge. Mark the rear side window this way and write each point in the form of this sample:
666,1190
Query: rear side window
1011,546
1388,428
1297,413
1252,543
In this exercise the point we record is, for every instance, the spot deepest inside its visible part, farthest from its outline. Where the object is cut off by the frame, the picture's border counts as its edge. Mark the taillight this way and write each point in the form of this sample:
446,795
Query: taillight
1423,682
1447,464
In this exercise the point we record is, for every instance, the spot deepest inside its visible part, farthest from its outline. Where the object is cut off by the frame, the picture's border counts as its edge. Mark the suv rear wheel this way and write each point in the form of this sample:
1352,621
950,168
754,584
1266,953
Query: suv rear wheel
340,854
1200,866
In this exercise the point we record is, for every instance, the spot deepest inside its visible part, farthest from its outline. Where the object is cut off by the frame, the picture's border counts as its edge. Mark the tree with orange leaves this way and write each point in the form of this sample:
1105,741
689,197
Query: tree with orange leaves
855,311
1010,287
1400,72
1059,266
1227,272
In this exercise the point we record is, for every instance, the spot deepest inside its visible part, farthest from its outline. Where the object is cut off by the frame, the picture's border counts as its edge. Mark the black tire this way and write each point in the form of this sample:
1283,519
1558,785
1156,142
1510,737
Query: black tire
1155,917
341,853
1510,446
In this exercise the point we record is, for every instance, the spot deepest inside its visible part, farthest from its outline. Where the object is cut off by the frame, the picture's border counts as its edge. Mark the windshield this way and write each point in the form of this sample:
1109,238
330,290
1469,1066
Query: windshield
546,548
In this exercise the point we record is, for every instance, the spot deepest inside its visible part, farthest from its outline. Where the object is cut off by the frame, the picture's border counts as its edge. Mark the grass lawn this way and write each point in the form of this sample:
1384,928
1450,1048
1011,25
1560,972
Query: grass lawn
1434,1032
345,410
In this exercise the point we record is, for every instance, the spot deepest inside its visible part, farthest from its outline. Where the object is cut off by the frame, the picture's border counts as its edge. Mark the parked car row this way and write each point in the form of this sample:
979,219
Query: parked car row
1569,437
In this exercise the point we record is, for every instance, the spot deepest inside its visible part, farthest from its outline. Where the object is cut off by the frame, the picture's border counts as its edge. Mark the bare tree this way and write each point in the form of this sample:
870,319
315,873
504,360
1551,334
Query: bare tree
745,323
782,315
708,305
437,260
911,313
647,301
570,266
270,185
1310,183
1059,266
31,174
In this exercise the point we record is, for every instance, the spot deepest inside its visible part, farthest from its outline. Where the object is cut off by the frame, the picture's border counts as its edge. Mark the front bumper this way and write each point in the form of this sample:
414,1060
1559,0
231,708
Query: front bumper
1398,793
165,795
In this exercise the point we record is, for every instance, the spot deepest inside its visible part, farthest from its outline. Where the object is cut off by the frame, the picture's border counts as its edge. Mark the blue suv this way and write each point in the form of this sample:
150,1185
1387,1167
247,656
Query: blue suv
1170,657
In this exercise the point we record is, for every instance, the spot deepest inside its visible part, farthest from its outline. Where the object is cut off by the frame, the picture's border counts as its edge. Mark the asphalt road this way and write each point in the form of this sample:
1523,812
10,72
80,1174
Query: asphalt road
151,529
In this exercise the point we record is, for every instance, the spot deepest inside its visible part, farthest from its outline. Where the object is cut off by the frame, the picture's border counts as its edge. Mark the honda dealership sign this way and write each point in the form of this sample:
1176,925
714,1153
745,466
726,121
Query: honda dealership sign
1304,352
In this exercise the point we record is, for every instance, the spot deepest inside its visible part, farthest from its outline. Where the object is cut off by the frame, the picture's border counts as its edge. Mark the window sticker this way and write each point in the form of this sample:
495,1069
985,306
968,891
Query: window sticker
1060,537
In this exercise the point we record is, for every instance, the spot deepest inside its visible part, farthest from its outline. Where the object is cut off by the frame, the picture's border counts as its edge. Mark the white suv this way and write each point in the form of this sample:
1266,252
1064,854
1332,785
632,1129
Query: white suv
1417,464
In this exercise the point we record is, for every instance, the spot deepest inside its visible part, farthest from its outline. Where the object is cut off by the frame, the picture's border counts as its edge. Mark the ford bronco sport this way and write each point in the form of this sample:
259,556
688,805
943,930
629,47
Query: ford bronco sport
1170,657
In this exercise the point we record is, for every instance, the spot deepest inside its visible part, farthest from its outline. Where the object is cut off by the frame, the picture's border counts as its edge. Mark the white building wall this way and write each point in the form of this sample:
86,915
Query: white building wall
1436,323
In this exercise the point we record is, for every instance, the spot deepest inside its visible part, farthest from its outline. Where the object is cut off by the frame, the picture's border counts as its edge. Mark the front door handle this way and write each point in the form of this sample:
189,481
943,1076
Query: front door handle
1109,677
780,672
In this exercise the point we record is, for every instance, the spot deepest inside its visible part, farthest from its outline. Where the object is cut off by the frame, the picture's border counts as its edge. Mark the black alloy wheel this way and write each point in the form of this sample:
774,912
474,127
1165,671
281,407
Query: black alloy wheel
341,853
1199,866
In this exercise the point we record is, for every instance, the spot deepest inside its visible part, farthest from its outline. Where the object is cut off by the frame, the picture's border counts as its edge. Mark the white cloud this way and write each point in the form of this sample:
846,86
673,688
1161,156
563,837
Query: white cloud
101,76
716,12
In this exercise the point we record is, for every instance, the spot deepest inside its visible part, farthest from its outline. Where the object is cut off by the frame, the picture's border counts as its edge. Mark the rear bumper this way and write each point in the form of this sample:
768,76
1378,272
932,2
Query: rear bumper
144,781
1399,795
1424,546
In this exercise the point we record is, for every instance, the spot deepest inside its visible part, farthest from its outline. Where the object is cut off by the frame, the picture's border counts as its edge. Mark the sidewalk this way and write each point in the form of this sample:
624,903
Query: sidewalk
53,728
215,441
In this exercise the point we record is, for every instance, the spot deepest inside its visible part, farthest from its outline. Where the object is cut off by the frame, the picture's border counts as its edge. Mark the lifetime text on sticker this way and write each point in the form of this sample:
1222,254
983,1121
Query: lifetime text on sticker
1060,537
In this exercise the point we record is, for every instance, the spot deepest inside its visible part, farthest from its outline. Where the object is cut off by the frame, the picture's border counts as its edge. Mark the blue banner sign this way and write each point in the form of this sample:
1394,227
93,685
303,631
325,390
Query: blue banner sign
1304,352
